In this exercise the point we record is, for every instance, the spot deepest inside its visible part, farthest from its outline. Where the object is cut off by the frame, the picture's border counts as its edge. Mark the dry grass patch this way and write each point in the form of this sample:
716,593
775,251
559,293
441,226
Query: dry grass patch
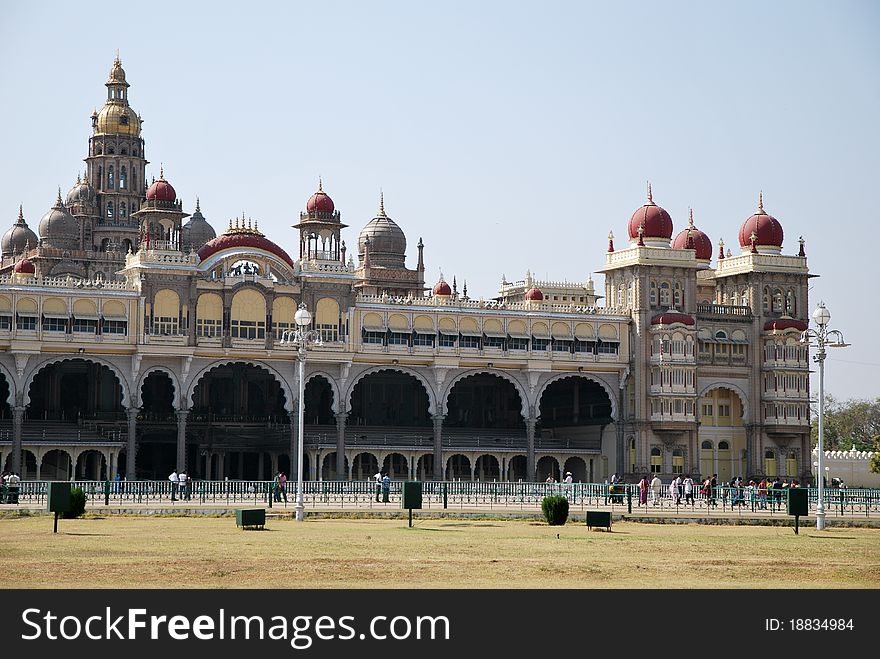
205,552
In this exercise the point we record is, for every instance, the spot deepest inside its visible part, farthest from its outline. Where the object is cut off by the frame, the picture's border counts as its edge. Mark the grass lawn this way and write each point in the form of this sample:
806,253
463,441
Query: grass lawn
210,552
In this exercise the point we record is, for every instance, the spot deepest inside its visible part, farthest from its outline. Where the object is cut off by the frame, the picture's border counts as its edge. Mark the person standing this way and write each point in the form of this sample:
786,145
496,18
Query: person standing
282,478
386,487
276,487
181,485
173,478
713,488
378,479
688,485
656,487
643,491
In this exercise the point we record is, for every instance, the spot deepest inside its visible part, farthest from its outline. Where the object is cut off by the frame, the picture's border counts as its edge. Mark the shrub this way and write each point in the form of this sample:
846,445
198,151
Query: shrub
77,503
555,509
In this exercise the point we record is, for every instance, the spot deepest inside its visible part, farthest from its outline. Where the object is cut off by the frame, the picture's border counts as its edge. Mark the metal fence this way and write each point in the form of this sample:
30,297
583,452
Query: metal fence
450,495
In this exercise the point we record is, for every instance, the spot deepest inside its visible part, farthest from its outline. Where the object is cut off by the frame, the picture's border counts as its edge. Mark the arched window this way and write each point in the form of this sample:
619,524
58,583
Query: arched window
677,461
122,178
134,180
677,296
766,300
100,176
123,212
770,463
744,298
721,334
111,150
653,294
790,307
124,151
791,465
664,294
656,461
110,178
777,300
110,210
632,454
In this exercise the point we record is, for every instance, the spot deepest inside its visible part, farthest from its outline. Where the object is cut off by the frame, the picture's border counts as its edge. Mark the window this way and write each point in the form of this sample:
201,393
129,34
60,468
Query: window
769,463
110,210
241,329
608,348
664,294
517,344
123,211
54,324
561,346
653,294
122,179
493,342
328,332
165,325
85,325
777,300
447,340
111,179
114,327
656,461
677,296
398,339
374,338
5,322
540,344
677,461
469,341
423,339
210,328
585,346
723,409
766,300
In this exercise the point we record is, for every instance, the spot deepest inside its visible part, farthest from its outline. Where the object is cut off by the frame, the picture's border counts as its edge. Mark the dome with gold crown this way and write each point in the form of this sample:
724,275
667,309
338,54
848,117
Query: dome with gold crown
117,117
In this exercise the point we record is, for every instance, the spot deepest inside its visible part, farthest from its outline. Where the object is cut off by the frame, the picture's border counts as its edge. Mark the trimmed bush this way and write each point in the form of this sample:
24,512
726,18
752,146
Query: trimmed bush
77,503
555,509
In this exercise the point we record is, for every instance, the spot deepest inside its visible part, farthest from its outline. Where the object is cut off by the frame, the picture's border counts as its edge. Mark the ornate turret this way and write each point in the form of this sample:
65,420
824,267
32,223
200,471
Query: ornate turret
18,237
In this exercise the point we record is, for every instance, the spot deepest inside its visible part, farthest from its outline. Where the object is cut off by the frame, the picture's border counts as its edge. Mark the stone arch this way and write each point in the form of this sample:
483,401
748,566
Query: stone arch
289,397
123,381
586,376
743,399
523,397
175,383
10,381
364,465
432,396
334,387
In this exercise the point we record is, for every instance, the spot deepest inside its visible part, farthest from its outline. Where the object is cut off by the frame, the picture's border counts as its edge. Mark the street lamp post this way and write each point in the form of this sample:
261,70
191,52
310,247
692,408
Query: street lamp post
301,339
822,338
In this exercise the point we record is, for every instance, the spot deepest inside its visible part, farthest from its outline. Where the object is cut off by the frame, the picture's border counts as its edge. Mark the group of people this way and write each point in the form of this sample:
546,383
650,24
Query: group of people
9,486
683,490
181,485
679,490
567,480
279,487
383,485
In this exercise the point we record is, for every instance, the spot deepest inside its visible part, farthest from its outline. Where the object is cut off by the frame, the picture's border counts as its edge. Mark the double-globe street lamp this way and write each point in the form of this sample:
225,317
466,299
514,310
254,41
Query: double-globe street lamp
822,338
301,339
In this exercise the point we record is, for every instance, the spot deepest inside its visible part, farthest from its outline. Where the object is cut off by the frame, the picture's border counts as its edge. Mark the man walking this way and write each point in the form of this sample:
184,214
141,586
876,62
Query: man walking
656,487
173,478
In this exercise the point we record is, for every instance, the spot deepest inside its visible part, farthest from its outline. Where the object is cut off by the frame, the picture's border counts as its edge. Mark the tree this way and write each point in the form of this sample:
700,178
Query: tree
875,462
853,423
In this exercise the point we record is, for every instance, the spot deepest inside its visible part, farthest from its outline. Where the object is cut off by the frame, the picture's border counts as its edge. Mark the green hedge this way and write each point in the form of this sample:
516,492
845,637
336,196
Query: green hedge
77,503
555,509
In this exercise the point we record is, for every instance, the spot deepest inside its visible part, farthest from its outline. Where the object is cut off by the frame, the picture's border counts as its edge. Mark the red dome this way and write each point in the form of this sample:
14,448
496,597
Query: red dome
672,317
25,267
781,324
252,240
655,220
766,227
161,190
441,288
534,294
320,202
693,238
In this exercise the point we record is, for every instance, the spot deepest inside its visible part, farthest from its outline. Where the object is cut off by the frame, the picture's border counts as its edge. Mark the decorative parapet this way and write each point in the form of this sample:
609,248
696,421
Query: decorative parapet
326,267
66,282
754,262
648,255
724,310
461,304
160,256
852,467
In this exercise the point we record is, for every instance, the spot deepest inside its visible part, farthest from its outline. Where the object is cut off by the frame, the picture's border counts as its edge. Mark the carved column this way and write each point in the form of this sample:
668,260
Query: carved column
531,422
340,445
17,420
131,447
294,420
181,439
438,446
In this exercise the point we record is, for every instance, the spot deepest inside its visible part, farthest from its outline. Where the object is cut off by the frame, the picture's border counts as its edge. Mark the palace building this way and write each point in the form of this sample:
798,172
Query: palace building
137,338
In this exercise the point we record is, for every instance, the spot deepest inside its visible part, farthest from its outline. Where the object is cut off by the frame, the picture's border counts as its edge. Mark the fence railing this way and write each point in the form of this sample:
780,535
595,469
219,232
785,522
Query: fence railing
450,495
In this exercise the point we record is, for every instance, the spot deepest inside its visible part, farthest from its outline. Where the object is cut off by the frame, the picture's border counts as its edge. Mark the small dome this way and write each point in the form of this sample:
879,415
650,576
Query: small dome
671,317
58,228
82,193
161,190
441,288
25,267
782,324
320,202
534,294
238,237
387,241
767,229
117,73
18,238
197,231
655,221
693,238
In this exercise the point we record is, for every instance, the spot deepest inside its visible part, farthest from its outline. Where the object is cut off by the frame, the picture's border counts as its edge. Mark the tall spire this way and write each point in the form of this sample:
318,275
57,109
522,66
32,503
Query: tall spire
650,194
381,203
320,185
20,215
761,202
691,218
198,210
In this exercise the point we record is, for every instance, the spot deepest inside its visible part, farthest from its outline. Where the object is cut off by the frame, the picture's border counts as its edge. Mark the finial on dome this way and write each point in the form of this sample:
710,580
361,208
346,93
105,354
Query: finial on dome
690,218
728,252
256,228
198,209
320,185
20,215
161,172
78,181
720,249
58,201
610,241
650,194
381,203
761,201
230,225
801,252
117,60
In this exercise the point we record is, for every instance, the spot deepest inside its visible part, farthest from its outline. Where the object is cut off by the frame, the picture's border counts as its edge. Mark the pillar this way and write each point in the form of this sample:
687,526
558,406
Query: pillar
294,420
340,445
39,465
531,422
221,465
260,466
131,448
438,446
17,420
181,439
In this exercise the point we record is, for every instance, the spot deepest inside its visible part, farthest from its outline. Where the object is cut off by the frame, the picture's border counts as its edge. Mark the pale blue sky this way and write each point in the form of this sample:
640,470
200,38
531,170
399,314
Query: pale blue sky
509,136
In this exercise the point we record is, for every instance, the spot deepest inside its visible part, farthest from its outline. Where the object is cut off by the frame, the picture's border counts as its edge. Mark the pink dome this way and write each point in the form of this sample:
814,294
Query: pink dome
767,229
441,288
534,294
161,190
672,317
25,267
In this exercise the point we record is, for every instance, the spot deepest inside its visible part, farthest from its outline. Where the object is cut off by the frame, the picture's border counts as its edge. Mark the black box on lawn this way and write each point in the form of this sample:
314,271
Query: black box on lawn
797,501
411,495
58,497
250,517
